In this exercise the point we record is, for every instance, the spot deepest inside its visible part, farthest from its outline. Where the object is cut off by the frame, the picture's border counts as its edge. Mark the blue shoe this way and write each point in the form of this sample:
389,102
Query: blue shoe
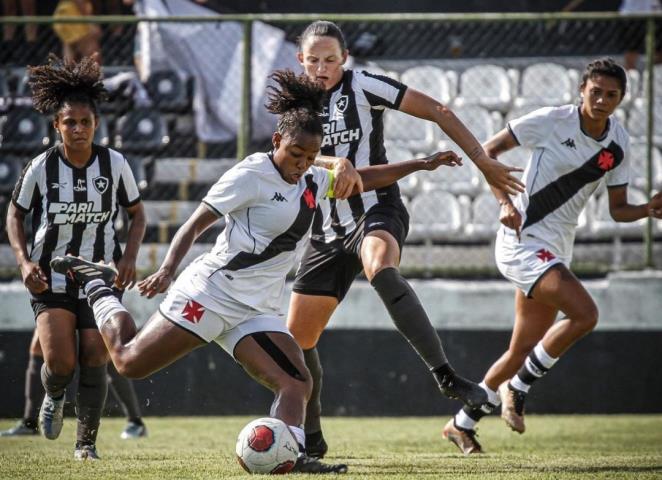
134,430
51,417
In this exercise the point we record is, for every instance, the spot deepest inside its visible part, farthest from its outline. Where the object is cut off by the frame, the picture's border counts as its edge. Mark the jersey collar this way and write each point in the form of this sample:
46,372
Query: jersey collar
601,137
93,155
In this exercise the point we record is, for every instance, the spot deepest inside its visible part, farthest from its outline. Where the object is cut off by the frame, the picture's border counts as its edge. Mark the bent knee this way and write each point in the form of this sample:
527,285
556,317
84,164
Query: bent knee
588,319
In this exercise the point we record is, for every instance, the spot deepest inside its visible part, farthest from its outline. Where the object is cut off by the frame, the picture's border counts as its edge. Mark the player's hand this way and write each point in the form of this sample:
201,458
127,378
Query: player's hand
500,175
126,273
655,205
511,218
34,278
157,282
346,178
448,158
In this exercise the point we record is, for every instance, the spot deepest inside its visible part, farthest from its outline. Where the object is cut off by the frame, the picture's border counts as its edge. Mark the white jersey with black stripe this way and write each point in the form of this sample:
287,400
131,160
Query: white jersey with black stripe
354,129
565,168
74,208
267,219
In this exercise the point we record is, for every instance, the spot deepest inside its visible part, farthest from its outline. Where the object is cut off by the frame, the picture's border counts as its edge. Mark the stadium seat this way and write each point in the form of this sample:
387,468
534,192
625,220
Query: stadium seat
429,80
435,215
605,227
484,217
165,217
516,157
167,90
478,120
142,130
637,120
191,170
404,131
23,130
10,171
487,86
410,184
102,133
5,94
464,180
546,84
633,87
638,167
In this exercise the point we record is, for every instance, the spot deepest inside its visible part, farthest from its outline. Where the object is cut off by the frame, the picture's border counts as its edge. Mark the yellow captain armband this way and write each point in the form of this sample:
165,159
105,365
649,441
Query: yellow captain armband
332,181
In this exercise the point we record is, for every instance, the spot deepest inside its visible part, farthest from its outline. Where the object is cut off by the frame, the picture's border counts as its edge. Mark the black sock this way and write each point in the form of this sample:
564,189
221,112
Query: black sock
409,316
530,372
123,391
314,406
34,390
91,397
54,384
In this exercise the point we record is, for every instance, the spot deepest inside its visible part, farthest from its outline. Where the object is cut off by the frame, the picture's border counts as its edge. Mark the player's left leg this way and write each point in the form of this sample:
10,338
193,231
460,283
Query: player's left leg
123,391
276,361
380,254
92,391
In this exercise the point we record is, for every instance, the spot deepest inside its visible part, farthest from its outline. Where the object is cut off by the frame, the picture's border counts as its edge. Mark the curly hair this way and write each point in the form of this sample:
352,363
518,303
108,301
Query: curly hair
608,68
298,101
60,82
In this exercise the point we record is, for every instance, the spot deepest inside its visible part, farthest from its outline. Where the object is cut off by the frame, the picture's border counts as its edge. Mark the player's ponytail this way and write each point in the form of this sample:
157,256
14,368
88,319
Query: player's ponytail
297,100
60,82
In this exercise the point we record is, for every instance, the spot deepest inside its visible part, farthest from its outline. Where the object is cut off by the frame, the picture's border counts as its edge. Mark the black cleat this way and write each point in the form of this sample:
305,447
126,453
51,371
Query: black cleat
83,272
459,388
307,464
316,446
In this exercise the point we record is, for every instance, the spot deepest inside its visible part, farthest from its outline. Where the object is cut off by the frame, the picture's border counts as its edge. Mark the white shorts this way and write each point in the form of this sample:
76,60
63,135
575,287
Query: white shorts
220,318
524,263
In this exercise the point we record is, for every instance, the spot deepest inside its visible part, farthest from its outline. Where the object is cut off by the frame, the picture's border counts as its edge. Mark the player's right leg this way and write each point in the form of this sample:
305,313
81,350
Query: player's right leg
134,354
276,361
56,329
123,391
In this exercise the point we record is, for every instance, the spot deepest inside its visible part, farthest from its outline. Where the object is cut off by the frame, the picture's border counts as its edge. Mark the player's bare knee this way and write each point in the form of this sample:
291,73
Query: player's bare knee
61,366
588,319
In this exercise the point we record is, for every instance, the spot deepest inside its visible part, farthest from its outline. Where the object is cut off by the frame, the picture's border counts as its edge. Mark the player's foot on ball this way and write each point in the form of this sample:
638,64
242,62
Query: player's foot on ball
512,407
82,272
459,388
86,452
316,446
307,464
463,438
51,416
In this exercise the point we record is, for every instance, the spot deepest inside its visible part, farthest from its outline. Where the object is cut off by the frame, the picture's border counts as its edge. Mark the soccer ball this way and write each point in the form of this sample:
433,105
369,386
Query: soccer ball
267,445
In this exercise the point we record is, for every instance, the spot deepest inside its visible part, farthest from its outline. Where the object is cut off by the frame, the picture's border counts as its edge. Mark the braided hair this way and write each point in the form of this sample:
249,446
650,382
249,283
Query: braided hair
298,101
60,82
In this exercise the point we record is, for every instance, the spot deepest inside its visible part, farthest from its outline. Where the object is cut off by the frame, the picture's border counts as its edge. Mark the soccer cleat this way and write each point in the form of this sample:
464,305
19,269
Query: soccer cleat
316,446
456,387
134,430
21,429
464,438
82,272
86,452
512,407
51,417
307,464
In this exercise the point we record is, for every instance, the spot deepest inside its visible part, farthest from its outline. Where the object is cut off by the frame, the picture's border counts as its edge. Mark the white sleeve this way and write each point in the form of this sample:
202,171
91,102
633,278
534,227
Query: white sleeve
380,91
127,191
233,191
534,128
26,192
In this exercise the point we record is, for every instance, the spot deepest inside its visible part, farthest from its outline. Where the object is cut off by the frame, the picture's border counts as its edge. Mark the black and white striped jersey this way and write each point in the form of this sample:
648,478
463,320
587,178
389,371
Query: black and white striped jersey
74,208
354,129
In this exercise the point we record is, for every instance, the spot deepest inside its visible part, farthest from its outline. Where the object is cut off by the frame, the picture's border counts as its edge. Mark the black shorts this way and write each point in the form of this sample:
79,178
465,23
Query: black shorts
77,306
328,269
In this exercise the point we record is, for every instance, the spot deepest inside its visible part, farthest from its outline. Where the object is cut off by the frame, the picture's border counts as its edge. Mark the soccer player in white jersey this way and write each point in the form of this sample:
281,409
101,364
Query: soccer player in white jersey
367,231
232,295
575,149
73,191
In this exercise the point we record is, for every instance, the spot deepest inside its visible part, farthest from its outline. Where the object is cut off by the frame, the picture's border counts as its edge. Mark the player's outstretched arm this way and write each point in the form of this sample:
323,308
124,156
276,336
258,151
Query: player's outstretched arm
378,176
347,180
126,266
622,211
158,282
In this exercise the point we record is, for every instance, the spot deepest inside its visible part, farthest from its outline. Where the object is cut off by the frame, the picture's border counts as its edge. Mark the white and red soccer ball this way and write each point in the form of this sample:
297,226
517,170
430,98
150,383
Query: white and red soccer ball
267,445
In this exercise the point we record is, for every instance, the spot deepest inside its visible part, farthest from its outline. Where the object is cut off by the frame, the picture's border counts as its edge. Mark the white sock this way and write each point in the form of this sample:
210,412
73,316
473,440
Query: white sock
91,284
105,307
518,384
463,420
299,435
545,359
492,396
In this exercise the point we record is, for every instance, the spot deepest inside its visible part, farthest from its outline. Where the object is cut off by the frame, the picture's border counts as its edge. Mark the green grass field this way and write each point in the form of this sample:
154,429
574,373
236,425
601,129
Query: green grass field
554,447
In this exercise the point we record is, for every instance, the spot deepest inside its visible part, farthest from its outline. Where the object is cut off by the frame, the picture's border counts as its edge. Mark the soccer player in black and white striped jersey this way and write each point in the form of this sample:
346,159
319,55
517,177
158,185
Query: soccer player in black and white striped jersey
74,191
367,231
